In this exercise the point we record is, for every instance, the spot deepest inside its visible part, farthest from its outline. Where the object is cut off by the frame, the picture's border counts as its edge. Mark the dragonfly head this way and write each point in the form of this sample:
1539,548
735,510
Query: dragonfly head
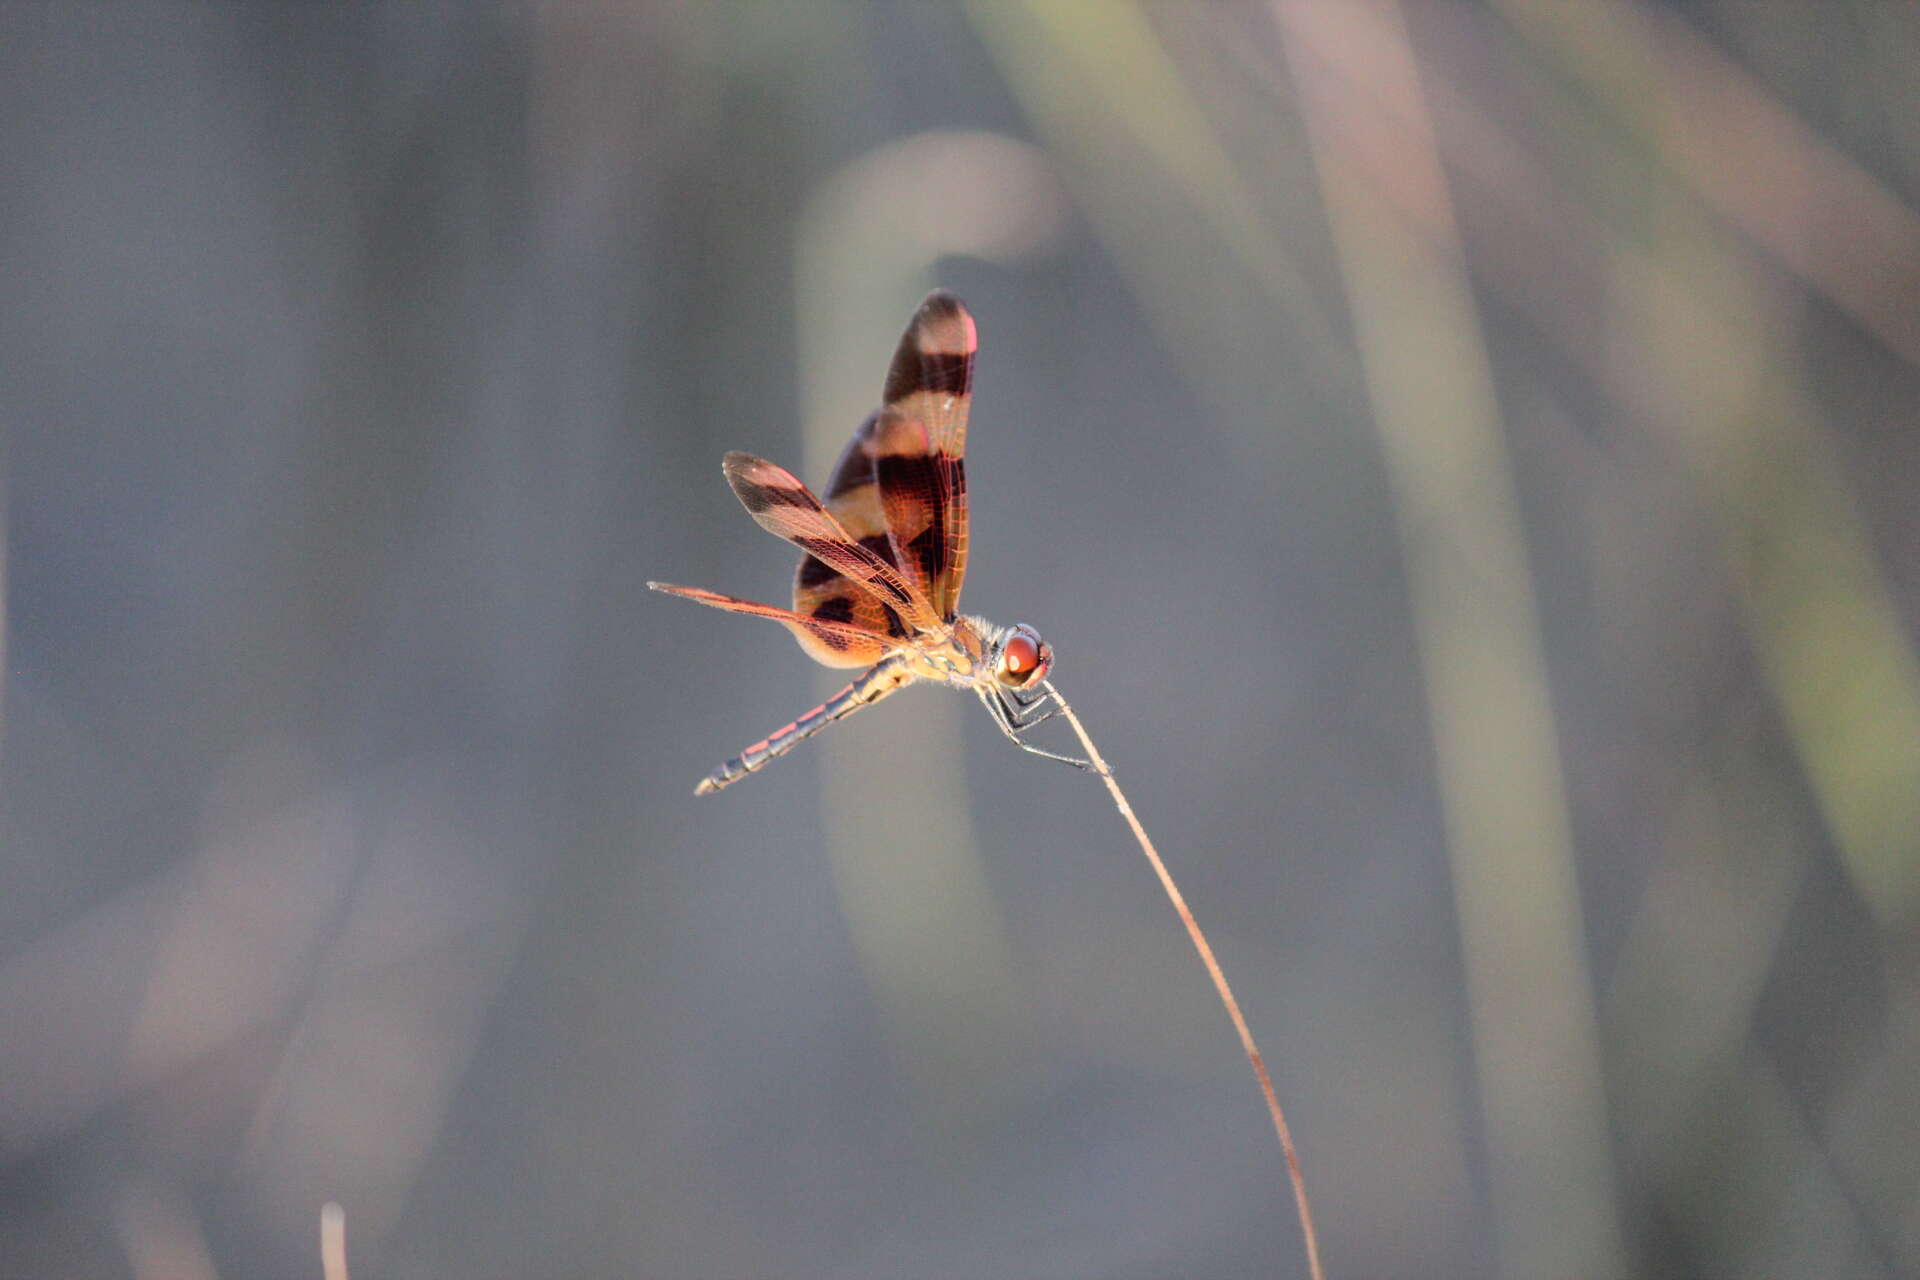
1021,657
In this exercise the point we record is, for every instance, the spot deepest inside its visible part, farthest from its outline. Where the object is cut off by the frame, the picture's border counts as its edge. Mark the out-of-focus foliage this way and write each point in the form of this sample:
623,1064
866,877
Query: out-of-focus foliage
1464,456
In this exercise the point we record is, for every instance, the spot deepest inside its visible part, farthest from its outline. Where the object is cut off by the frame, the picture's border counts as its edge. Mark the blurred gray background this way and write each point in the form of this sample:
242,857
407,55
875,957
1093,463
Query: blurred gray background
1463,455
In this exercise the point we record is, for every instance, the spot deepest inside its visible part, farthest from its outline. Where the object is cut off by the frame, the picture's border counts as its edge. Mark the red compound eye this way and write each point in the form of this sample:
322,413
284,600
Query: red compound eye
1023,656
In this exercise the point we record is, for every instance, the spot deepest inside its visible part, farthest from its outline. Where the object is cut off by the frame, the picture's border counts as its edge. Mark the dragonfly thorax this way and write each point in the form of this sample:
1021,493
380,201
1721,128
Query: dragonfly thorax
977,653
956,655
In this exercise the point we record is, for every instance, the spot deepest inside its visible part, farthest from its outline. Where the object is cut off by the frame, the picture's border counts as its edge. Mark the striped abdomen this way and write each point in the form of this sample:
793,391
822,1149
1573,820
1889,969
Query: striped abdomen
880,680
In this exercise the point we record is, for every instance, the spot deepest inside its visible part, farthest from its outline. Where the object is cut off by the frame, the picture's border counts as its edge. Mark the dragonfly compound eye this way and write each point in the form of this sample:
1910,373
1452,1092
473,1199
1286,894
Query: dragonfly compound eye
1024,657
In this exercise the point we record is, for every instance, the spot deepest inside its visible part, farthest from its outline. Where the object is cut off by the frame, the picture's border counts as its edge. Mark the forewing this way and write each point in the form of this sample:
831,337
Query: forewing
886,493
783,506
919,464
829,640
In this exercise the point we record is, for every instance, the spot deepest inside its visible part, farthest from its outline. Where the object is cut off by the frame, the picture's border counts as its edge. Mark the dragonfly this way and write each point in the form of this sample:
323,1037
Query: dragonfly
886,553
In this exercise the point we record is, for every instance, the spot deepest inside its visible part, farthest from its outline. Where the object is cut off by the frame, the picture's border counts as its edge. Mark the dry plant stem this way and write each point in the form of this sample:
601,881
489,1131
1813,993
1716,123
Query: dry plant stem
1219,981
333,1242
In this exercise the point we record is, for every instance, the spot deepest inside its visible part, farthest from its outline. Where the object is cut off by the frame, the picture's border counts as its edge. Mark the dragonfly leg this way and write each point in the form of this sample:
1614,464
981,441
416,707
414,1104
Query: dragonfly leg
1009,718
1024,713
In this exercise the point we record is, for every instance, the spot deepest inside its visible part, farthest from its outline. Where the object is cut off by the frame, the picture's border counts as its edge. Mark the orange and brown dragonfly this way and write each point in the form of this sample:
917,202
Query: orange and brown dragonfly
886,553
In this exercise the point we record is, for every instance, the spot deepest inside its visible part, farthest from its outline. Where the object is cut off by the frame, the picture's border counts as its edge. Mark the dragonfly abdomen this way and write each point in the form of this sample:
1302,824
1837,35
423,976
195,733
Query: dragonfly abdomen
877,682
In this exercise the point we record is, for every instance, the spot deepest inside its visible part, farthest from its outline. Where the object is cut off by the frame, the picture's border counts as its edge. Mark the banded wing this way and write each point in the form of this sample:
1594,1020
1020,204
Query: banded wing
931,383
833,643
869,592
894,520
900,487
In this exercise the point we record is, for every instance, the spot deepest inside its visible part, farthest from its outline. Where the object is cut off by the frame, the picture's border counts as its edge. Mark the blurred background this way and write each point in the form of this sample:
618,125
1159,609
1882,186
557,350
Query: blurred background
1463,455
